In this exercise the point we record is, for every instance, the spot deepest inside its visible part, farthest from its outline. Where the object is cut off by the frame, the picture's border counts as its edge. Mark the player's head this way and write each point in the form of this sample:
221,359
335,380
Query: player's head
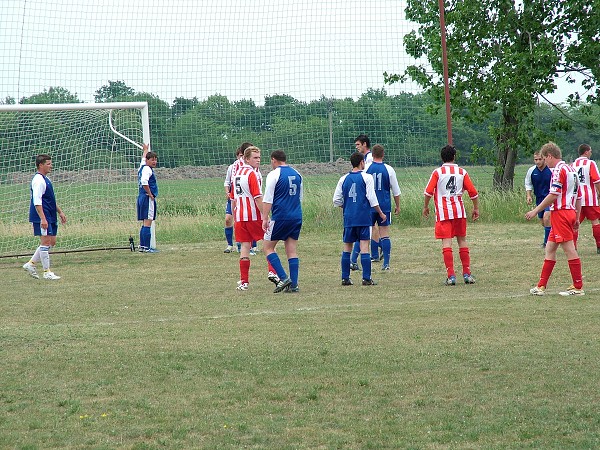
356,159
242,148
279,155
377,151
539,160
448,153
362,143
551,149
151,159
43,163
583,149
252,156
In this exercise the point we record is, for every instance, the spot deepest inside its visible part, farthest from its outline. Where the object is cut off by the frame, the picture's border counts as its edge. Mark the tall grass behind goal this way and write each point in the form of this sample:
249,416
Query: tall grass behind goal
95,149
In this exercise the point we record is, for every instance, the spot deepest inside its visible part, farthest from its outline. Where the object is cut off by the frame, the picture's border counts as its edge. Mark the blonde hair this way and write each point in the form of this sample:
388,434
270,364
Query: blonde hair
250,150
551,149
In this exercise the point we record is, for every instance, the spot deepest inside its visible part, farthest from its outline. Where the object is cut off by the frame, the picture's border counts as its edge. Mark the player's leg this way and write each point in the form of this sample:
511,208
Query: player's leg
375,243
547,266
228,227
354,256
291,245
365,256
29,266
574,267
596,234
384,240
546,224
349,238
465,259
444,231
47,241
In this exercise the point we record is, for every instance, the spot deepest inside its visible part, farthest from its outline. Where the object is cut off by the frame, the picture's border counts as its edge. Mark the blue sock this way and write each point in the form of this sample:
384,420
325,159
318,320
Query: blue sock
386,246
375,249
546,234
294,264
142,236
345,265
273,258
365,262
355,252
229,235
253,244
147,233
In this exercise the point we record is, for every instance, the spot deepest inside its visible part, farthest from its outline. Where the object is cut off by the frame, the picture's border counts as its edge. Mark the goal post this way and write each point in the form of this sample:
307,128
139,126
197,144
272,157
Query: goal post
96,150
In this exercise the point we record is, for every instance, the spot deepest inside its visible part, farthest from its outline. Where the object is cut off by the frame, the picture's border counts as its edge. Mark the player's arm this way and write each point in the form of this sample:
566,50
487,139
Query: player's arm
38,188
43,222
338,195
61,214
145,150
529,185
266,210
429,190
395,188
473,195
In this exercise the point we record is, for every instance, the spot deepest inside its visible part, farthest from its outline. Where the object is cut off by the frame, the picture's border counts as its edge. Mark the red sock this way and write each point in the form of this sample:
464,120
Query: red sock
547,269
465,259
448,260
596,233
244,269
575,268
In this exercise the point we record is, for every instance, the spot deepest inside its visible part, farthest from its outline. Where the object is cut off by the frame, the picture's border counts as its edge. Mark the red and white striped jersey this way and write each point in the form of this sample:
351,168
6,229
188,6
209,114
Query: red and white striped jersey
565,185
446,185
245,188
587,172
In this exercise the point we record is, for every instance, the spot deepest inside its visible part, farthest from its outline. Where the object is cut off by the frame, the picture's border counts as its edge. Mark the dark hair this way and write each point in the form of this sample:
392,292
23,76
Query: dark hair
279,155
584,148
356,158
41,159
377,151
151,155
242,148
363,138
448,153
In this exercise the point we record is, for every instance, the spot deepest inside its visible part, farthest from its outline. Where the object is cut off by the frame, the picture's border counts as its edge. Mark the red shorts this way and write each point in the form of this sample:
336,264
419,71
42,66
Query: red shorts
447,229
562,222
590,213
248,231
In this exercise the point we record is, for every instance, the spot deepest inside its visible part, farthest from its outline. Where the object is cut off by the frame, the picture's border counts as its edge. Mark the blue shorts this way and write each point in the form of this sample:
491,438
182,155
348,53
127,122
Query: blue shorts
353,234
228,209
146,209
52,229
375,219
541,213
281,230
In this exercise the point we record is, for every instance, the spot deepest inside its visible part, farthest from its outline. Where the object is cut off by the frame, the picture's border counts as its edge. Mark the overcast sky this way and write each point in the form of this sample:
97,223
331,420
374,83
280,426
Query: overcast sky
196,48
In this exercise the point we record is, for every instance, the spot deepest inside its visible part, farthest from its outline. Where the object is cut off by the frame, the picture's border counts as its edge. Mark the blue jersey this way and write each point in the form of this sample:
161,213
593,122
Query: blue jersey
538,181
284,191
146,174
41,185
384,180
356,195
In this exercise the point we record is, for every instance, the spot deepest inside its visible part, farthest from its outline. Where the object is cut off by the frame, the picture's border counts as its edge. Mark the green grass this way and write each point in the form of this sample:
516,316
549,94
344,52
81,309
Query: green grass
160,351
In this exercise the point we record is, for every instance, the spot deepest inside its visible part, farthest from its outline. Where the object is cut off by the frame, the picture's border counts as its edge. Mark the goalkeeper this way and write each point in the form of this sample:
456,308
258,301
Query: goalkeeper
146,202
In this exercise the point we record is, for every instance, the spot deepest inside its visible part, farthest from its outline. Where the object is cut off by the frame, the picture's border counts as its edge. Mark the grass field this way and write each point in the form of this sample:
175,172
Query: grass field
145,351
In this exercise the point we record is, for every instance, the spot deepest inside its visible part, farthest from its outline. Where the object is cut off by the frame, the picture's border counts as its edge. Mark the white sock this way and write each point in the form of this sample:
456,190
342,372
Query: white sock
45,257
36,256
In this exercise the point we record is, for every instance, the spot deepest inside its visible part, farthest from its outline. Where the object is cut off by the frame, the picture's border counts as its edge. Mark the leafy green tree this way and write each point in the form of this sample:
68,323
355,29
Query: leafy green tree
501,55
51,95
114,91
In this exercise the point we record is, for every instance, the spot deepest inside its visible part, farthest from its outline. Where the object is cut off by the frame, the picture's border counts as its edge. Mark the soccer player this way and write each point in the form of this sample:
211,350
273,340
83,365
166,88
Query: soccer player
589,177
362,143
231,170
385,182
356,196
247,206
537,182
446,185
43,212
282,199
147,193
565,204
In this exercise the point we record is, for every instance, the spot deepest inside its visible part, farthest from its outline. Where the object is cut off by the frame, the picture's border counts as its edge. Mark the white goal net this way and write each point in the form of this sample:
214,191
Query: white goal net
95,149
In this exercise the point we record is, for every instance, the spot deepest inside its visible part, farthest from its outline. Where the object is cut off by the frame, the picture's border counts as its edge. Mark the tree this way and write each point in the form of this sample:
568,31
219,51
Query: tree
52,95
113,92
501,55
